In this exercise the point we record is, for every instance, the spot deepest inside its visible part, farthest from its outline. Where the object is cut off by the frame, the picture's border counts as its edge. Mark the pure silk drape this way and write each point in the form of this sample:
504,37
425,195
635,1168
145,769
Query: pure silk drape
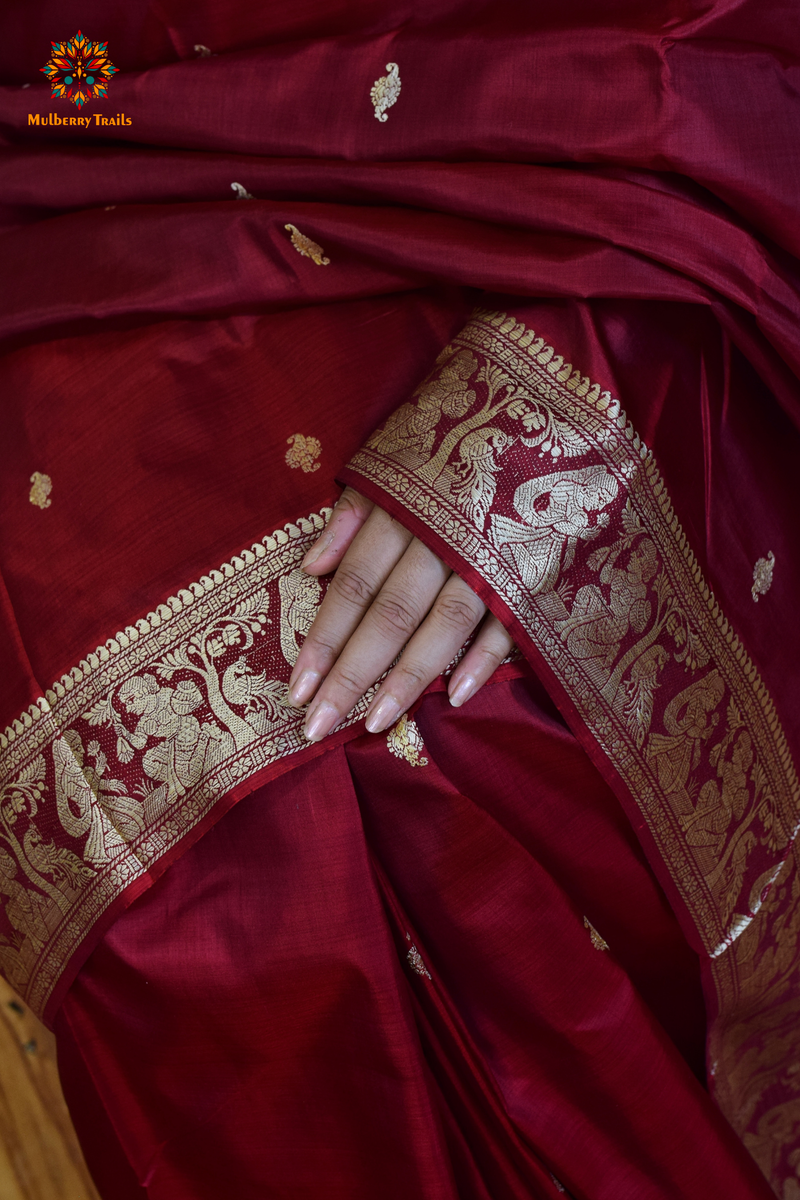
182,387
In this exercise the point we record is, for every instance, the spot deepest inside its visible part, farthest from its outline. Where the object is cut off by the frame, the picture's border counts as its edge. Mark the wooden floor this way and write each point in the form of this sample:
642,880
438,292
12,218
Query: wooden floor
39,1154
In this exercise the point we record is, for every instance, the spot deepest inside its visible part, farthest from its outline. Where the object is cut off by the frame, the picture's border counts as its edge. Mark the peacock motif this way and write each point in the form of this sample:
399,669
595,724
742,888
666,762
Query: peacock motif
473,483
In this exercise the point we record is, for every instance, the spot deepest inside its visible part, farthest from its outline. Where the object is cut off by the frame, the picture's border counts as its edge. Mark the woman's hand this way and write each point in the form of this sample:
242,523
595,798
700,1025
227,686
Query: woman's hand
389,592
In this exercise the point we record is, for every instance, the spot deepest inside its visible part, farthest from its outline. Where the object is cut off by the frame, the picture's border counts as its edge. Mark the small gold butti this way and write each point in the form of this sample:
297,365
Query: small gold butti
598,942
762,576
304,245
242,192
385,91
41,487
416,963
303,453
404,740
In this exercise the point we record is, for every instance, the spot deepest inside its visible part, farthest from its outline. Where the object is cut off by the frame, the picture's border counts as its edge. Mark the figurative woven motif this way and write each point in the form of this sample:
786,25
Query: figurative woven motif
121,758
532,475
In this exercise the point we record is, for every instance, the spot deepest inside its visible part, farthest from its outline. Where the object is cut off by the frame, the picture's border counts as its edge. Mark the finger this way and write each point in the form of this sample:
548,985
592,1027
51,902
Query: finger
492,644
349,514
399,608
453,616
377,548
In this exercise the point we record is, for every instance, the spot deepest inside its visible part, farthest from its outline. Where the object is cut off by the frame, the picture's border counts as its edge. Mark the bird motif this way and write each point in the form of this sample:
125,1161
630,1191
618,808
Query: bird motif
641,690
474,485
300,597
253,691
55,862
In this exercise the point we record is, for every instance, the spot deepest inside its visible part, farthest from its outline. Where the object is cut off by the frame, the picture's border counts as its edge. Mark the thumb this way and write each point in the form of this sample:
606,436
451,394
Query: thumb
346,519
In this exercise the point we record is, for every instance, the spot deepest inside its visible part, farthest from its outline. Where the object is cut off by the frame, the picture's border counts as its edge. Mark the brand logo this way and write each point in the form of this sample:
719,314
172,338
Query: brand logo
79,70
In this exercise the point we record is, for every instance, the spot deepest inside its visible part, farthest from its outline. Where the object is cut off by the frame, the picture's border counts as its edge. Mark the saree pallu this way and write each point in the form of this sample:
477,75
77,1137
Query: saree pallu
463,959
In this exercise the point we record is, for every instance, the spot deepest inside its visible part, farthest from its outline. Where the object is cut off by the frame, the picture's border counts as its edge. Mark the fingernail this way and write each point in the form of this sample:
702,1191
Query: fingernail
381,716
302,691
320,722
465,687
316,550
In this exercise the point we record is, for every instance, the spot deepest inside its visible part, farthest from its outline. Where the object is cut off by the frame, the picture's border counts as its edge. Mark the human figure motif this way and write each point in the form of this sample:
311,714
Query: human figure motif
718,803
596,625
25,908
689,720
558,511
165,713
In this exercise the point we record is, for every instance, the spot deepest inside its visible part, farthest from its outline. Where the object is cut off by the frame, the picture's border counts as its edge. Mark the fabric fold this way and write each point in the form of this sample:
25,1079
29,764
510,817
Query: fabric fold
533,484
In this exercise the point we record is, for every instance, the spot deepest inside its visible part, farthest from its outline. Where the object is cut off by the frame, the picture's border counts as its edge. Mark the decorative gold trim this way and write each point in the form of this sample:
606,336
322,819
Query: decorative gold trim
578,536
125,754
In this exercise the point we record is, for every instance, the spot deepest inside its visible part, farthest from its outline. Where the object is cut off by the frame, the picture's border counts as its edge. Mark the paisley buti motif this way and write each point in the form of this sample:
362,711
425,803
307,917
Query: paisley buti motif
404,740
305,246
242,192
41,487
385,91
303,453
79,70
762,576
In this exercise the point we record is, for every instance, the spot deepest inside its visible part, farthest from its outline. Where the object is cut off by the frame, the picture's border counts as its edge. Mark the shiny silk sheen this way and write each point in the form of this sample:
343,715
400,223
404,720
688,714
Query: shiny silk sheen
253,1024
628,176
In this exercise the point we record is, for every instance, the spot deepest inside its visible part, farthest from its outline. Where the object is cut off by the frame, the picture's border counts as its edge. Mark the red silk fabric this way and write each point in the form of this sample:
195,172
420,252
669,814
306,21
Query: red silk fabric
638,173
269,1037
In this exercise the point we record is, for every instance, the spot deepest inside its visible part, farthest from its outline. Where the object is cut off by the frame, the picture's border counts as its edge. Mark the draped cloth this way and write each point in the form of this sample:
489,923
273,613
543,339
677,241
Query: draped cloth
529,282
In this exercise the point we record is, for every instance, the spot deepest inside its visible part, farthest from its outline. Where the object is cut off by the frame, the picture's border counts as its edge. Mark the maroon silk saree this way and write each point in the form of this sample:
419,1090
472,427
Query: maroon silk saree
529,282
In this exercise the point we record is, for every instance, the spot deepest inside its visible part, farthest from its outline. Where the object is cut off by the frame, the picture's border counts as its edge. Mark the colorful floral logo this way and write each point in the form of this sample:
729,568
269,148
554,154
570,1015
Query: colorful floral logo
79,70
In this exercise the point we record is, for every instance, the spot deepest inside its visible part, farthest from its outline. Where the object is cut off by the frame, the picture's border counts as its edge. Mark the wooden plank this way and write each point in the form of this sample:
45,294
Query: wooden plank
40,1158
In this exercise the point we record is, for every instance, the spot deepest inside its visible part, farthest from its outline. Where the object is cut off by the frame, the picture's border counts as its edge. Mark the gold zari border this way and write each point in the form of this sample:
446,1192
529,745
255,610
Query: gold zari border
533,475
123,756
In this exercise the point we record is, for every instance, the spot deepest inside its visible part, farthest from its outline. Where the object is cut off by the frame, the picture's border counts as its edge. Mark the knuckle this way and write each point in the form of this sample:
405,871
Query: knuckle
395,615
348,680
490,655
354,502
351,585
324,651
457,613
415,676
